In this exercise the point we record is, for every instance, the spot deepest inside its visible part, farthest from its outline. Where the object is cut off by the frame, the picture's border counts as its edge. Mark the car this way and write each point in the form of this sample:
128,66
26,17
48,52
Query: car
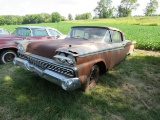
38,31
4,31
8,48
77,61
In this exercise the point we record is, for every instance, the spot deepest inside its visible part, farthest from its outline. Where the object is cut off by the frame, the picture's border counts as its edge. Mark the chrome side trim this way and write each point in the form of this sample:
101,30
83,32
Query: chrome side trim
92,53
66,83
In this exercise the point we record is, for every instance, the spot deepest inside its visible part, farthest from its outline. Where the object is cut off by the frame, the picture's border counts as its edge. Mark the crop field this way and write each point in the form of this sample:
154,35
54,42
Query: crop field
144,30
129,91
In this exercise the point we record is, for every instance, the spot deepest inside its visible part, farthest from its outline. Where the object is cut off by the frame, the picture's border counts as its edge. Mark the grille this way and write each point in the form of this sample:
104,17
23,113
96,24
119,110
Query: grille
47,65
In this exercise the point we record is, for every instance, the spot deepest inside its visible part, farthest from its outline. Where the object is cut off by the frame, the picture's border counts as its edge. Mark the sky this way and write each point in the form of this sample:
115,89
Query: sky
64,7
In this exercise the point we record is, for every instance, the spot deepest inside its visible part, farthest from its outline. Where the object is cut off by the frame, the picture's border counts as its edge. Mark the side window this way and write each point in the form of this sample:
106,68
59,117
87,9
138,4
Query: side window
116,37
107,37
39,32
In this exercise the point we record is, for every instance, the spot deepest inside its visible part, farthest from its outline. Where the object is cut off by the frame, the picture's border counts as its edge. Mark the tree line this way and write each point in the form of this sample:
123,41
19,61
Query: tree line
104,9
31,19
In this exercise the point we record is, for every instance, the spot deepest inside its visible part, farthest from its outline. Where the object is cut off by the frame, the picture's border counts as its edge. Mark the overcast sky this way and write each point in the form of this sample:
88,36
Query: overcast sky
64,7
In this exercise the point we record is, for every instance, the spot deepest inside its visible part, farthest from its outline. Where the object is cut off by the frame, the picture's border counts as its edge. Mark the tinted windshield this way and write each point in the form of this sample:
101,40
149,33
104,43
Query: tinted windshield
87,33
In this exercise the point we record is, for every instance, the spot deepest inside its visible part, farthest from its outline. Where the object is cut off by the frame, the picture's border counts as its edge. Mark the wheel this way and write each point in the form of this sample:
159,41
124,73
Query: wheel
7,56
92,79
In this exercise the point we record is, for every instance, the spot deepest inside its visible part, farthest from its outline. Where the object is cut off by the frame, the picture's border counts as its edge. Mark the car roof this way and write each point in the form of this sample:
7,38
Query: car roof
39,27
104,27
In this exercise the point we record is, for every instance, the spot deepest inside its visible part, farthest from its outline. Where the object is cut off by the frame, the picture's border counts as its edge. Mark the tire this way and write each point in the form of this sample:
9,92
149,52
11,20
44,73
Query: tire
7,56
92,79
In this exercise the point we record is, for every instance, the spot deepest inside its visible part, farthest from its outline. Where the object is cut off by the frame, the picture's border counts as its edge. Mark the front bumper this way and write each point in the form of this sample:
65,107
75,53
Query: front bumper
61,80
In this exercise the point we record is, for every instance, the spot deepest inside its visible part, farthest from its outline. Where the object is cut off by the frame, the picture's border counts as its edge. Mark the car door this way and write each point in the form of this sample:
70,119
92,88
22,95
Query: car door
118,47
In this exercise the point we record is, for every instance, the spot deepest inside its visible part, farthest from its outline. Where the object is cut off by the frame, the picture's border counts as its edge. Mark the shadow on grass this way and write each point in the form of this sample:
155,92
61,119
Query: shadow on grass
25,96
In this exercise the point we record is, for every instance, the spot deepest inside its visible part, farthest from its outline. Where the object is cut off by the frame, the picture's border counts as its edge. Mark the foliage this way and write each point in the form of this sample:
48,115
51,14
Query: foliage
83,16
46,17
31,19
104,9
56,17
151,8
126,7
129,91
2,20
70,17
63,18
10,20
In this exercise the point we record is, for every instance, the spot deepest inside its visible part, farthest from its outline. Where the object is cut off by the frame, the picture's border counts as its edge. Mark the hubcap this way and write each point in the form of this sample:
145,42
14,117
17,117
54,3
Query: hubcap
9,57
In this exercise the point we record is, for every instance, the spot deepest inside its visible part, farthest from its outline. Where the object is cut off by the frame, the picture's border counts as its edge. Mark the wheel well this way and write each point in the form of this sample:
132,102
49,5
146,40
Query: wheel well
102,67
14,49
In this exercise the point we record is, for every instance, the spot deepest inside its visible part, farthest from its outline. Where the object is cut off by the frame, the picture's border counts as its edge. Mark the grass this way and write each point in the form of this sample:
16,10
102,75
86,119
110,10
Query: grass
129,91
145,30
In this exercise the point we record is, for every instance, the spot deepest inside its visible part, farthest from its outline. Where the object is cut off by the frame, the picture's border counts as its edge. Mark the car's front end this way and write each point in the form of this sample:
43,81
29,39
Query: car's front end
64,76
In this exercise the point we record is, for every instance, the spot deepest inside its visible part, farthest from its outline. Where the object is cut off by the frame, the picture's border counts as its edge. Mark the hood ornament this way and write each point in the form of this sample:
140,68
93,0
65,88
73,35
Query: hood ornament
70,46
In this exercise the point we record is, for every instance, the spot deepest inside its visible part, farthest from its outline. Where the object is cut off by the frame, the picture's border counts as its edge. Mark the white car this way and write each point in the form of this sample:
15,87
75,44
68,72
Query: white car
38,31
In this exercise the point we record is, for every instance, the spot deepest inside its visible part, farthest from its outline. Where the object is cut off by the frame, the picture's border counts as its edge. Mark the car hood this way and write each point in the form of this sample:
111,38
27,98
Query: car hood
75,47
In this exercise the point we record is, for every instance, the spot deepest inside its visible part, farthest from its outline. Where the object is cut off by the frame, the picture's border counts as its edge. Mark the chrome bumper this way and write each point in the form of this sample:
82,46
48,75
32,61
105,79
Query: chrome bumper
66,83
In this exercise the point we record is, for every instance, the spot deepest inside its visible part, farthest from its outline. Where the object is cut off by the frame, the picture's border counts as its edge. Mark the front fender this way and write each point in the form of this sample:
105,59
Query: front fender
84,68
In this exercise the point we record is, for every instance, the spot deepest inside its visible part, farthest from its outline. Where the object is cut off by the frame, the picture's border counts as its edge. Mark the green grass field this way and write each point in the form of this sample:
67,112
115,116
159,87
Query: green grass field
129,91
144,30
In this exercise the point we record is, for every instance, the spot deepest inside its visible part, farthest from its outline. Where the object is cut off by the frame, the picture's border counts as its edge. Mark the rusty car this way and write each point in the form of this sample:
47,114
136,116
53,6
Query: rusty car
76,61
8,48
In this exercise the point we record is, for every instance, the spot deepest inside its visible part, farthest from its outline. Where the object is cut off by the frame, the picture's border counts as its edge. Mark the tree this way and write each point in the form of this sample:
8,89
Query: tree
126,7
83,16
2,20
56,17
63,18
70,17
46,17
151,8
104,9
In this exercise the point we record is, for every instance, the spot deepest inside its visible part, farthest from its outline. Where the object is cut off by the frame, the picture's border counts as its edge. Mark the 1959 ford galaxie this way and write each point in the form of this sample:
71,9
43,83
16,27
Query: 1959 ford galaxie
76,61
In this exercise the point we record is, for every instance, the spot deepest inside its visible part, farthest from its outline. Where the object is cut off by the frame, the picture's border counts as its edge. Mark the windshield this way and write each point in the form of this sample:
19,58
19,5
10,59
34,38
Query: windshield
22,32
87,33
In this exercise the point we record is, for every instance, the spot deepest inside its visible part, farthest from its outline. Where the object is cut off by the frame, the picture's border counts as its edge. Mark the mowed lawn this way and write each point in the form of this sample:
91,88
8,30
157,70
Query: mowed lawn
129,91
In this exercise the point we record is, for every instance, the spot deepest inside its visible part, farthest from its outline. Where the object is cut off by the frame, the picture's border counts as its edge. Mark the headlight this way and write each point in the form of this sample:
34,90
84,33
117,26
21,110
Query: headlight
71,60
65,58
62,59
20,48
